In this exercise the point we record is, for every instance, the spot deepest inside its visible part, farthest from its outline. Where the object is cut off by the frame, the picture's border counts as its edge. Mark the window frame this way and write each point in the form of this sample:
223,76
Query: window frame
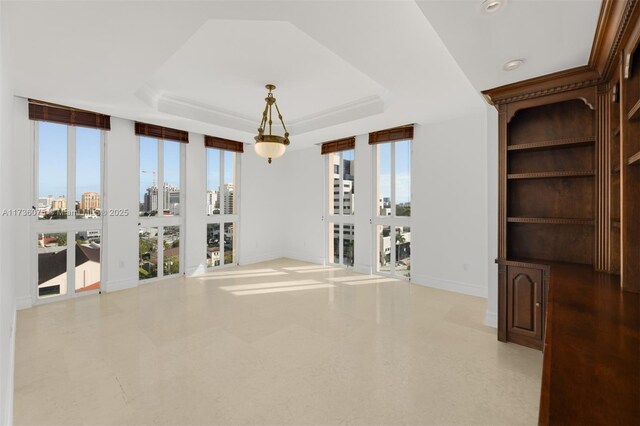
70,226
221,218
336,219
160,221
392,221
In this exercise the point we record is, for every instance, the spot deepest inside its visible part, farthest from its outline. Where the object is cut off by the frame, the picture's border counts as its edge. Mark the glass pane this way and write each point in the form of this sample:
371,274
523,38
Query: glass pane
403,251
384,249
384,179
213,244
213,181
347,244
87,260
88,166
229,183
334,243
229,242
171,250
52,264
171,187
148,176
403,178
148,249
348,188
334,179
52,171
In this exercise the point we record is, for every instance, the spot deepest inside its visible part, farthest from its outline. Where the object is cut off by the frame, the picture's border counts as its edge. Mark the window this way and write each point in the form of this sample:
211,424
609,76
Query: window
160,207
68,209
221,206
341,244
340,193
392,201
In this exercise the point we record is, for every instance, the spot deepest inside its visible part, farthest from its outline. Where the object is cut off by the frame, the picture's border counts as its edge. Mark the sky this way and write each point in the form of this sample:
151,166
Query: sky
149,163
53,163
52,158
403,170
213,168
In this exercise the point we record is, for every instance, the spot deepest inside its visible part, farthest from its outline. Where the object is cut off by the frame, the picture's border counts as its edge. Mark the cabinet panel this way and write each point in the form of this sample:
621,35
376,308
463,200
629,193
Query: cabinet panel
525,310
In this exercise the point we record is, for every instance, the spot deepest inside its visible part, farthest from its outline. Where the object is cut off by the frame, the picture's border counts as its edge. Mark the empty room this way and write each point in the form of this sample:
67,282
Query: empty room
372,212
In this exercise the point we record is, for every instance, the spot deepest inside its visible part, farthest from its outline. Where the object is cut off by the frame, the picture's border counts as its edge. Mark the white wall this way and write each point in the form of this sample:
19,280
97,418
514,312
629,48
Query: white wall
302,210
195,225
492,211
120,242
7,267
450,225
449,211
262,206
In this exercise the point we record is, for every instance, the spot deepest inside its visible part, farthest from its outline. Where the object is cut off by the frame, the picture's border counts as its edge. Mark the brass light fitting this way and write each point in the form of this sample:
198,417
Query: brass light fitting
270,146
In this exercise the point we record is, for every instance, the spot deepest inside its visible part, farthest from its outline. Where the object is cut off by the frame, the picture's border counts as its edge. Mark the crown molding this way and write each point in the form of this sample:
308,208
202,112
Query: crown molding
193,110
557,82
615,16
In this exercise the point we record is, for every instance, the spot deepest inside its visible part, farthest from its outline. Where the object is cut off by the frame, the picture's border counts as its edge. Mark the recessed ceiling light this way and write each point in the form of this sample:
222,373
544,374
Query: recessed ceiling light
512,65
489,7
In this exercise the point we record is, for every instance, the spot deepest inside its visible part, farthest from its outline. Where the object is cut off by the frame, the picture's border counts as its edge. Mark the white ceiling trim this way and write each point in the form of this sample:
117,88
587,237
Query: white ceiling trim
187,108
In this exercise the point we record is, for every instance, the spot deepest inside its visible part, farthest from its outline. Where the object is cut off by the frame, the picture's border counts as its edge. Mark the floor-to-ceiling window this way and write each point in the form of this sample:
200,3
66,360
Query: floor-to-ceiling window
340,195
160,206
67,209
222,202
392,202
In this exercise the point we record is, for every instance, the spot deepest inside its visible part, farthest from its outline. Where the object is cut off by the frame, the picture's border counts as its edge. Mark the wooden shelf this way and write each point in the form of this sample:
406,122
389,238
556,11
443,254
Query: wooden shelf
545,175
634,159
551,220
634,113
556,143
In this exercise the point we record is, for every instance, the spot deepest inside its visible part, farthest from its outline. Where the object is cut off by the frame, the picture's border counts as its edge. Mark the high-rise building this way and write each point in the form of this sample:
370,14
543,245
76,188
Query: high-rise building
151,199
228,198
212,201
90,201
170,197
347,192
59,203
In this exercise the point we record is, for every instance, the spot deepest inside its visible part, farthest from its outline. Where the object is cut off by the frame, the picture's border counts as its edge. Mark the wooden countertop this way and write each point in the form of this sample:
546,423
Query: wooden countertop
591,370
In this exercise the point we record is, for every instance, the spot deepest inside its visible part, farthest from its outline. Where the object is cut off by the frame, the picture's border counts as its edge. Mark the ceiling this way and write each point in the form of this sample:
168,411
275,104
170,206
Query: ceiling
551,35
341,67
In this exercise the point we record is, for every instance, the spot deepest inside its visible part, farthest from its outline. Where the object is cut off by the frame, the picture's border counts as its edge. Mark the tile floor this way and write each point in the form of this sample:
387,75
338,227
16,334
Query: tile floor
281,342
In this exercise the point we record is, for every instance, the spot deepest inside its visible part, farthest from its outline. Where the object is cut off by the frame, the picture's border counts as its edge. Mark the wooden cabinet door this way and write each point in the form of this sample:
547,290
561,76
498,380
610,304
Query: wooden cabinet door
525,309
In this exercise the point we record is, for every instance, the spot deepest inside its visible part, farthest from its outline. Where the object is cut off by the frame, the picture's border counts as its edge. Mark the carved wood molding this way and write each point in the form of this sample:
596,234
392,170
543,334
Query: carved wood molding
563,81
614,19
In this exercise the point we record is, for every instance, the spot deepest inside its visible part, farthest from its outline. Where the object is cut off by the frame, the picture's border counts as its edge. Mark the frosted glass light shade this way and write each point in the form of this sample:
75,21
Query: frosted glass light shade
270,150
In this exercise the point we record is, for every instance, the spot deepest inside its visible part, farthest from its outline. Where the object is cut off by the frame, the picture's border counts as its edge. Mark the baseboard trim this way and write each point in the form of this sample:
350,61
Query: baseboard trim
112,286
362,269
449,285
491,319
304,257
24,302
257,258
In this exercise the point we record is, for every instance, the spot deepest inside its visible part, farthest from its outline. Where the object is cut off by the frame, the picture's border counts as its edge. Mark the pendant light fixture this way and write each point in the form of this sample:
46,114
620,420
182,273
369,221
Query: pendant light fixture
270,146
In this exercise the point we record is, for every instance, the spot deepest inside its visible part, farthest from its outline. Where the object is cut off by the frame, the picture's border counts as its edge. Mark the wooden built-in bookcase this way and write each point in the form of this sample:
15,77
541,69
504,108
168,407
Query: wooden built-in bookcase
569,225
630,164
569,173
